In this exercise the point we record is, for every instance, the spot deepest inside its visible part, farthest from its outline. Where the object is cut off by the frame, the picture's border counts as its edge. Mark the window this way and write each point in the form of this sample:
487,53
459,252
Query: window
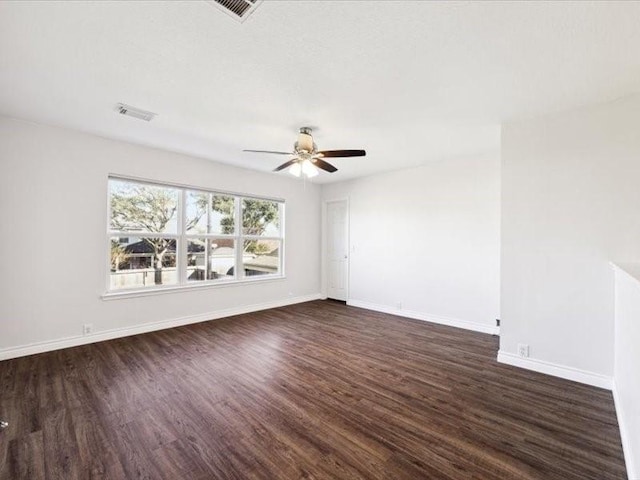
163,236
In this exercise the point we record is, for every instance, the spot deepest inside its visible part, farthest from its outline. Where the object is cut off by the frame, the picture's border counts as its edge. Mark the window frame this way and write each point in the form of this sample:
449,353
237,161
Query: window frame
182,238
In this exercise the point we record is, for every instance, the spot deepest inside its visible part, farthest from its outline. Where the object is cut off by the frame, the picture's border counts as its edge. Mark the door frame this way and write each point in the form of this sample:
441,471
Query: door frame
324,256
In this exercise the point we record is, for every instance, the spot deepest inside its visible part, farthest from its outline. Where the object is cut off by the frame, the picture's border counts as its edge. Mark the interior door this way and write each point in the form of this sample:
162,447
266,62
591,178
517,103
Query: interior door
337,250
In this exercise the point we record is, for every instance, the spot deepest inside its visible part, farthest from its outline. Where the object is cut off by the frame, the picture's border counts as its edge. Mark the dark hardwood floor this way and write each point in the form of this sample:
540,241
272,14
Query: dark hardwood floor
314,391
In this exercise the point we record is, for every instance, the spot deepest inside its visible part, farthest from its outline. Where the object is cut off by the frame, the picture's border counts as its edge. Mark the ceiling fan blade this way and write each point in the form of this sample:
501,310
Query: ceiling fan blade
326,166
269,151
342,153
285,165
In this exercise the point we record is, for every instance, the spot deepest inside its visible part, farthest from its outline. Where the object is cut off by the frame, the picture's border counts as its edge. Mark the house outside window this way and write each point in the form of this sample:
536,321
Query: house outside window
164,236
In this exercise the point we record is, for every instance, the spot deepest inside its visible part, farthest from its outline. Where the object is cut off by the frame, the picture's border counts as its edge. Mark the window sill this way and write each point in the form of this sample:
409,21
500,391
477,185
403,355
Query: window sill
115,295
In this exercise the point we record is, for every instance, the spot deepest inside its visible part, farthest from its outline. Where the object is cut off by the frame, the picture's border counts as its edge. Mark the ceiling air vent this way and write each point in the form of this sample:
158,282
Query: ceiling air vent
135,112
238,9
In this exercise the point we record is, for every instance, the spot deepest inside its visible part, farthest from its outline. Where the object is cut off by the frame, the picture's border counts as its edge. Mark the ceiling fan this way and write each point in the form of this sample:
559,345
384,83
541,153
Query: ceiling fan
307,156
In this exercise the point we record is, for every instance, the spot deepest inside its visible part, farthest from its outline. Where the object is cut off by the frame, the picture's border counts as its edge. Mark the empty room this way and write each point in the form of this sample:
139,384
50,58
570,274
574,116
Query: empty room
282,240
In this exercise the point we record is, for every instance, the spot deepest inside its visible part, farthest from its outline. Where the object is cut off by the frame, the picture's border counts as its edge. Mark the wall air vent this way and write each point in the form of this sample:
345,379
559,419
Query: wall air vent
238,9
135,112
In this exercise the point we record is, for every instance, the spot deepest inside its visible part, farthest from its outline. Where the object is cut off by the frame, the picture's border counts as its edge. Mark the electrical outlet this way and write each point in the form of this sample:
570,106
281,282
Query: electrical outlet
399,305
523,350
87,329
497,322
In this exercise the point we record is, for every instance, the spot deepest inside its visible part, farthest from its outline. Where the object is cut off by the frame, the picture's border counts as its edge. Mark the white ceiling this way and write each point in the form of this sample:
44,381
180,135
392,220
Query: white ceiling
411,82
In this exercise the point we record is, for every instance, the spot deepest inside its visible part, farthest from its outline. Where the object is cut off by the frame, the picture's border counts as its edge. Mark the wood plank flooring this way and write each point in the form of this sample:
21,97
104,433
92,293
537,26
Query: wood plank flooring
311,391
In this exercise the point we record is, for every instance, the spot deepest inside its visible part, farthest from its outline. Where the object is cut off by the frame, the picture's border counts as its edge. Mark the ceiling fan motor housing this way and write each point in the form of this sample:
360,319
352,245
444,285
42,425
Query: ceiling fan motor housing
305,141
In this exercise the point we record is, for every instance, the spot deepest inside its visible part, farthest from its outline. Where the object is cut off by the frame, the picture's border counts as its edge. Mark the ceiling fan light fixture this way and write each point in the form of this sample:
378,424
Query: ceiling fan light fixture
309,169
295,170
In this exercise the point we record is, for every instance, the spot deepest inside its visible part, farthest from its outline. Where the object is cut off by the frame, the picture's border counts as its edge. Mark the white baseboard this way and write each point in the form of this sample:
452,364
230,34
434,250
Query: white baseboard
562,371
632,471
451,322
40,347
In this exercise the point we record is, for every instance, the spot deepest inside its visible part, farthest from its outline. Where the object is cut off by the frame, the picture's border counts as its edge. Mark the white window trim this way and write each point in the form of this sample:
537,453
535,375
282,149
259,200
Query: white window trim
182,240
138,292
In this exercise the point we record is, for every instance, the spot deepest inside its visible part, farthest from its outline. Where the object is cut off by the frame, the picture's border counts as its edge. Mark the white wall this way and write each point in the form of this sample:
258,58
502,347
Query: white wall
570,204
53,201
428,238
626,372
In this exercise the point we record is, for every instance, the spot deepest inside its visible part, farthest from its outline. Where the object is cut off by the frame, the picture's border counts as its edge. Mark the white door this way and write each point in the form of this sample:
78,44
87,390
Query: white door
337,250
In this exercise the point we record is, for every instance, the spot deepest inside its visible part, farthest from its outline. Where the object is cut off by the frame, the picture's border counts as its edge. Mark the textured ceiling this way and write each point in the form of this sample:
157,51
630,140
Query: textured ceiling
411,82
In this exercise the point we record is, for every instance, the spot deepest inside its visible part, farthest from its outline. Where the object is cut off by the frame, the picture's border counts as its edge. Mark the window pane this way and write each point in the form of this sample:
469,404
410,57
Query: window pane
219,219
222,214
260,217
137,207
142,262
196,212
210,259
261,257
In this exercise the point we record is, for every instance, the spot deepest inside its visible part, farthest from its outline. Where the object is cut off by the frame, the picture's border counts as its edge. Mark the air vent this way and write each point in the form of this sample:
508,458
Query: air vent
135,112
238,9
